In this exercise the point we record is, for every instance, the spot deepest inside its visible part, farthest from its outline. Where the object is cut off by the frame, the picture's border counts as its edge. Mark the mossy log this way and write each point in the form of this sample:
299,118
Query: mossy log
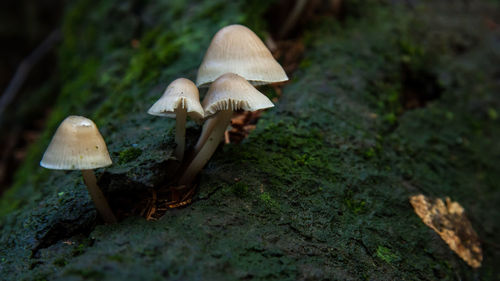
388,102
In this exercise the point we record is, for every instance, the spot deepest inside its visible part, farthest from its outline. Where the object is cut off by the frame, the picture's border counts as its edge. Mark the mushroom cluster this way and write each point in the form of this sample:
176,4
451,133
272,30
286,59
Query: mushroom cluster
235,62
228,93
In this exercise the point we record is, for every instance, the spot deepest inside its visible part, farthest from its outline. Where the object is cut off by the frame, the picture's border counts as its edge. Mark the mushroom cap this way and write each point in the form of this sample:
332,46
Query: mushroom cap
76,145
237,49
233,92
181,93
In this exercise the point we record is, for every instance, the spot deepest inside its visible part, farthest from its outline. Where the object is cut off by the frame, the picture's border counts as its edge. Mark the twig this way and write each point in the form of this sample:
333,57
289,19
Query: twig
25,67
292,19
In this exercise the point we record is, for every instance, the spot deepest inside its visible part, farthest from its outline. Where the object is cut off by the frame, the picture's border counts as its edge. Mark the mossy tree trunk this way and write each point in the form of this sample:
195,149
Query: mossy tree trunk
390,102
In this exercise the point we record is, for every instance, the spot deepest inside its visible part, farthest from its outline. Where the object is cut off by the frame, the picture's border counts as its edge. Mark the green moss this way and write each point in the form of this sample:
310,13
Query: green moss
356,206
369,153
240,189
61,262
80,249
86,273
305,63
492,113
386,254
117,258
129,155
268,201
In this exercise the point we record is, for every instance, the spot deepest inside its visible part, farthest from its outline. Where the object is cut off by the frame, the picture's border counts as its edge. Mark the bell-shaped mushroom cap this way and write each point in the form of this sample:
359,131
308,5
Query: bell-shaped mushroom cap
237,49
233,92
76,145
181,93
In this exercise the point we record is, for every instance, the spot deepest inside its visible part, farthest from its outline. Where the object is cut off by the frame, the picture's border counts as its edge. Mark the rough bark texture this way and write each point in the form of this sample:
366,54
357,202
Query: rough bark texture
389,102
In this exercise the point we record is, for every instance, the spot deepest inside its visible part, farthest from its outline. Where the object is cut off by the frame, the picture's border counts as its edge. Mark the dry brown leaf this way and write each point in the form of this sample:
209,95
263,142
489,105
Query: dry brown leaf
239,119
450,222
249,128
241,125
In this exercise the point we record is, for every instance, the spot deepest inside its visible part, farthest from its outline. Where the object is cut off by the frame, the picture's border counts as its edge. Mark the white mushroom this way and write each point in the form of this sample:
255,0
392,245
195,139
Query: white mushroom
181,99
78,145
237,49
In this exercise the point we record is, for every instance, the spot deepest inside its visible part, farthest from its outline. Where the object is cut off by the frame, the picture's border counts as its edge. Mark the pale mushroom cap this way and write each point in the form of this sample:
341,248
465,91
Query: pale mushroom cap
181,93
233,92
76,145
237,49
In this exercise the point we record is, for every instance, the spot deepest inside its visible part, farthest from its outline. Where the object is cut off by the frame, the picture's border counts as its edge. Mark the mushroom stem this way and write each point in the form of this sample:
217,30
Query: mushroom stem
205,133
97,196
180,132
220,123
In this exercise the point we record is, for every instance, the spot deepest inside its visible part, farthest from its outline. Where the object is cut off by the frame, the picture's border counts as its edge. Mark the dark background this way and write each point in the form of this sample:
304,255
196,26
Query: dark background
24,25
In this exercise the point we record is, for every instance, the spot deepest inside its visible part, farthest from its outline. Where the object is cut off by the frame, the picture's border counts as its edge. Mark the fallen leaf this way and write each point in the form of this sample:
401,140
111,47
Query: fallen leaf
450,222
241,125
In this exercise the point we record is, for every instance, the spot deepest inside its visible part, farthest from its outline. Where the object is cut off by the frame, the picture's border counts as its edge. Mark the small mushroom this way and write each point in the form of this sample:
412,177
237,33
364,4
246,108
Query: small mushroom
181,99
78,145
237,49
228,93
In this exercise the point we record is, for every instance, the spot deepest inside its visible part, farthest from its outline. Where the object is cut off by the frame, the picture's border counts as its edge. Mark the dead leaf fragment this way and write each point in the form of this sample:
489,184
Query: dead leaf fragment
165,198
450,222
241,125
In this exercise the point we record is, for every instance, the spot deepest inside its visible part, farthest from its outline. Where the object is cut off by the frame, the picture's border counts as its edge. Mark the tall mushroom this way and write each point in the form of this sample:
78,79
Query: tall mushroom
181,99
230,92
237,49
78,145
